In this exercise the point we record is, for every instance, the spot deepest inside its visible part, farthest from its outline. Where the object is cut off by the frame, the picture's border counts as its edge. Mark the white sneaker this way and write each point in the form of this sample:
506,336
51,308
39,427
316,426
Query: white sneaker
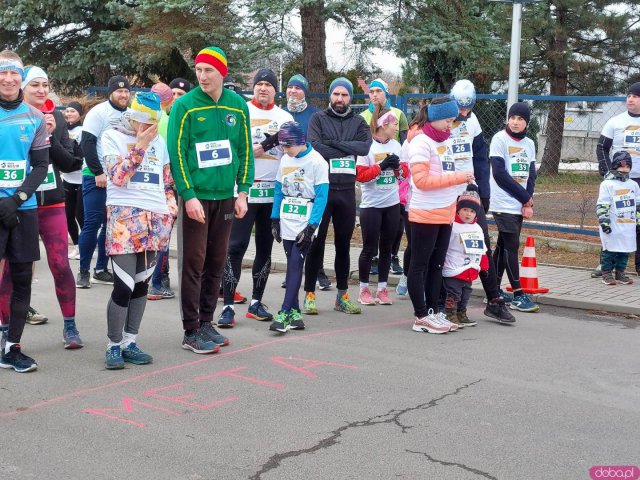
442,318
74,253
428,324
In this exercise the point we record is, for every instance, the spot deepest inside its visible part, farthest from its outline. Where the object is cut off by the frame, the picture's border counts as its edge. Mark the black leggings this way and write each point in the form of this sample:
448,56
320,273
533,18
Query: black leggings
406,259
341,210
21,276
506,258
74,208
395,248
430,244
258,214
488,277
379,227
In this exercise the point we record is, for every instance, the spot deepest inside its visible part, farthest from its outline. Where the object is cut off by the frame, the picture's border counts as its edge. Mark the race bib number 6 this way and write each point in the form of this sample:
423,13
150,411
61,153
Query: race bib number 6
214,154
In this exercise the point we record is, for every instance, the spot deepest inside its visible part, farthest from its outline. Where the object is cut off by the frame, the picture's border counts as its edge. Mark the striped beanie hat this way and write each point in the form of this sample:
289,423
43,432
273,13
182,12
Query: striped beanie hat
469,199
342,82
145,108
299,81
215,57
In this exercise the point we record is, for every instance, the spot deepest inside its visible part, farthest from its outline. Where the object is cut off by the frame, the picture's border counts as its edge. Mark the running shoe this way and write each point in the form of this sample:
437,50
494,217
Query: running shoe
365,297
428,324
35,318
523,303
227,318
623,278
374,266
71,337
309,305
239,298
104,277
295,320
401,288
160,293
382,297
3,336
259,311
442,318
280,322
132,354
596,272
207,329
17,360
396,269
74,253
323,282
165,281
465,321
198,342
452,316
284,284
113,358
608,278
84,279
345,305
499,311
506,297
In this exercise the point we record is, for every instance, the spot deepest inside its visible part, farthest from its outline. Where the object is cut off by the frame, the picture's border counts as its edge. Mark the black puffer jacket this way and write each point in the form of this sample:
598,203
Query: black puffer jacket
64,156
334,136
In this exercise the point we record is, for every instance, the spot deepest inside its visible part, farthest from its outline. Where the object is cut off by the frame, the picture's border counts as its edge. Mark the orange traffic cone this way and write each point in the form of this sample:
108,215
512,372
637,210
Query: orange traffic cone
529,270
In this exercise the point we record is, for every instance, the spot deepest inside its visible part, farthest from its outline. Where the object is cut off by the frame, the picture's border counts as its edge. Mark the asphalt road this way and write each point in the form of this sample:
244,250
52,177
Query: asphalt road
352,397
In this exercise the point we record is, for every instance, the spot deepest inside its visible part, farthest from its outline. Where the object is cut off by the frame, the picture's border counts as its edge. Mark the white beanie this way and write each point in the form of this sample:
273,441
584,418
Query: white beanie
31,73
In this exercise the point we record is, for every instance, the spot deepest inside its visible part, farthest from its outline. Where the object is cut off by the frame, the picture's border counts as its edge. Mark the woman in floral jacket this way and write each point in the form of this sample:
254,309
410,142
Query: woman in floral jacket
141,208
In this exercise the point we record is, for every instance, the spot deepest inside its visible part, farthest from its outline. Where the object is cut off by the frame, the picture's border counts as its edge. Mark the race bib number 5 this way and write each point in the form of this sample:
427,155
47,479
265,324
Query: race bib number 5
214,154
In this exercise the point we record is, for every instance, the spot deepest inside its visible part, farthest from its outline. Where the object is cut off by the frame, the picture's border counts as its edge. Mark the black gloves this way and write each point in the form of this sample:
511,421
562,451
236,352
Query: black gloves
390,162
270,142
606,228
275,229
305,237
8,208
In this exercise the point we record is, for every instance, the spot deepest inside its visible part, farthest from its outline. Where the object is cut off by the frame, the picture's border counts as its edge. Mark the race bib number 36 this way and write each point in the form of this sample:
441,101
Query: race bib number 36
214,154
12,173
343,165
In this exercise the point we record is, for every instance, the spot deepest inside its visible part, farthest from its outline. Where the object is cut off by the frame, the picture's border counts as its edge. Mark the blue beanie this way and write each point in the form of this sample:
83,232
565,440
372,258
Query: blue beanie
299,81
341,82
440,111
291,134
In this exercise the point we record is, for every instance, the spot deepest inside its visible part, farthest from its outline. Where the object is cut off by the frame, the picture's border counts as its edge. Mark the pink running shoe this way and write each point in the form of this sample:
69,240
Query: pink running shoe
382,297
365,297
428,324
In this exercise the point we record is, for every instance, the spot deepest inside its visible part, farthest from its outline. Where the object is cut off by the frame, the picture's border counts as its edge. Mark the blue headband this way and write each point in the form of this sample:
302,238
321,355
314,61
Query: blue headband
440,111
11,65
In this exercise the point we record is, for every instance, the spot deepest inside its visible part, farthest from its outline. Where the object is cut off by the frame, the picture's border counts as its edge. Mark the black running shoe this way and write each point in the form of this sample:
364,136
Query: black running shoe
259,311
396,269
499,311
104,277
323,282
17,360
207,329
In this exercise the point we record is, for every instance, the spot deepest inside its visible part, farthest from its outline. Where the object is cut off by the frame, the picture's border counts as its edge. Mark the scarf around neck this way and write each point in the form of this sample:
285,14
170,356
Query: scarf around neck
434,134
12,104
296,106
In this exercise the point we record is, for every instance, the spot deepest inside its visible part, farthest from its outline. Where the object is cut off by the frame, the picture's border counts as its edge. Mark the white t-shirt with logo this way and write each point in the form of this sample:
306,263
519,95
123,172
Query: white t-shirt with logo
99,119
145,189
75,176
519,157
298,177
462,136
382,191
623,198
624,130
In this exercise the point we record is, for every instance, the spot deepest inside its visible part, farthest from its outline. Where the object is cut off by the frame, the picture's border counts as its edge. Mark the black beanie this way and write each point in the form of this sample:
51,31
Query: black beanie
266,75
522,110
118,82
180,83
76,106
634,89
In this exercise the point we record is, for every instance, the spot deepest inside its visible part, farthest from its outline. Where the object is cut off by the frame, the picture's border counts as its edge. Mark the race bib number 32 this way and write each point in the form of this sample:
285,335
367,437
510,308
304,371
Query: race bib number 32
295,208
214,154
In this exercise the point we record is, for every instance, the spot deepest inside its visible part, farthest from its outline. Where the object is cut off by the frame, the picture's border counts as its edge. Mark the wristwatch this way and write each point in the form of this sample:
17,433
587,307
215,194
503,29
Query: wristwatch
22,196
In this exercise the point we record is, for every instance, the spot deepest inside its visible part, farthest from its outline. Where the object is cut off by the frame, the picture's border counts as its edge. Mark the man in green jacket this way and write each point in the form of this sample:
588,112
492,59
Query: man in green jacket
209,142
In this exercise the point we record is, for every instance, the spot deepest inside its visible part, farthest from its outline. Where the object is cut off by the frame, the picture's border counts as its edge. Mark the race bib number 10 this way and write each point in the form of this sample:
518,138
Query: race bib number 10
214,154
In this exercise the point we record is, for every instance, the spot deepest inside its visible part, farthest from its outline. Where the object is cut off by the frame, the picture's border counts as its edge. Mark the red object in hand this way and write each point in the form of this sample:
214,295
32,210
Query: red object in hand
48,106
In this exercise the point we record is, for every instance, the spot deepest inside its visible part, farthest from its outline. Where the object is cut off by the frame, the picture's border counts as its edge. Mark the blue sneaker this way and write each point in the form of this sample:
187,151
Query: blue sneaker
113,358
506,297
17,360
259,311
401,289
227,318
207,330
71,337
132,354
198,342
523,303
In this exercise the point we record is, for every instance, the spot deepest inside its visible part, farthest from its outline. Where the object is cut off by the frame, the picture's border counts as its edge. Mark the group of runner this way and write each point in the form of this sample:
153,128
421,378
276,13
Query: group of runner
223,168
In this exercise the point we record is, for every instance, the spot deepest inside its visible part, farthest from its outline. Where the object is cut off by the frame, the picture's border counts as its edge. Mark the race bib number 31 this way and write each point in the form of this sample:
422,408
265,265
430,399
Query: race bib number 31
214,154
12,173
262,192
343,165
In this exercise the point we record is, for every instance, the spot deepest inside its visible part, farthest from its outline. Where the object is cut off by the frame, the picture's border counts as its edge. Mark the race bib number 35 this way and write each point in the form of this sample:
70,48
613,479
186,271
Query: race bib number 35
12,173
343,165
214,154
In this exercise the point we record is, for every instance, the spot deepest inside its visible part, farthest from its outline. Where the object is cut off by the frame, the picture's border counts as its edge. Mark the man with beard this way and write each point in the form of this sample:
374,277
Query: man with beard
339,135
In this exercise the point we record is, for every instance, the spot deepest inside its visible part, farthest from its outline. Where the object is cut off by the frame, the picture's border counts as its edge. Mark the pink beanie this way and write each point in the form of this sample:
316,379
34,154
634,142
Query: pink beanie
163,90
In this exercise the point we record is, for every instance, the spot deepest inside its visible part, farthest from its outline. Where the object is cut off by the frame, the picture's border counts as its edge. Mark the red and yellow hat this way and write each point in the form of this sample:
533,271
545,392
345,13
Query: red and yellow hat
215,57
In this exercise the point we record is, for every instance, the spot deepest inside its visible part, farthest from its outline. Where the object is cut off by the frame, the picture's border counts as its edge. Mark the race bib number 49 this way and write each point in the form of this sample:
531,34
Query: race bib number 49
214,154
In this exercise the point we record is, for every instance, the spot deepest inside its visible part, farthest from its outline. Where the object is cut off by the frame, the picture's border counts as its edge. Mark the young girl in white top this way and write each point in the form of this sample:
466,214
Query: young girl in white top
380,203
